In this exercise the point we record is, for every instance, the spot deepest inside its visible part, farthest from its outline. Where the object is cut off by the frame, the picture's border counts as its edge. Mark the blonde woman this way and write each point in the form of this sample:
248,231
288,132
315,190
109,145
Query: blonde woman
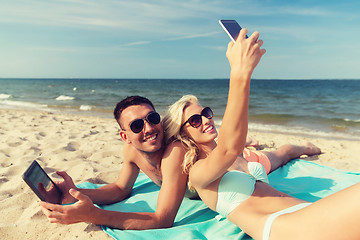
239,189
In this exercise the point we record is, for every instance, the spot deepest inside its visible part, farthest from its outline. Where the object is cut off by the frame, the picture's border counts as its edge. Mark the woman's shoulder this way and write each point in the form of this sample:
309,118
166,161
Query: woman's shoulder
175,143
174,148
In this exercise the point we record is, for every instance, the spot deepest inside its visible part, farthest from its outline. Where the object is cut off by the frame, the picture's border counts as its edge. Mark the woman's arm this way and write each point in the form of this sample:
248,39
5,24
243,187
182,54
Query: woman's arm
243,56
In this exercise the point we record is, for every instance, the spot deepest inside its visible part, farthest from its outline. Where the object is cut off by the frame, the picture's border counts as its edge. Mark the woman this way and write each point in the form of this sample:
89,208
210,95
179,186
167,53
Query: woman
239,190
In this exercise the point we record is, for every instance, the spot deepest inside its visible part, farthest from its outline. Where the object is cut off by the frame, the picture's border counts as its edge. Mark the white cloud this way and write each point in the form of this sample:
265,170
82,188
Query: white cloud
200,35
216,48
117,28
137,43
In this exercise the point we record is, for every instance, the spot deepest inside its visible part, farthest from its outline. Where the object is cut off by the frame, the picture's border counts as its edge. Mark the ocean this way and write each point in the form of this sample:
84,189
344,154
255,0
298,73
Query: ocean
324,108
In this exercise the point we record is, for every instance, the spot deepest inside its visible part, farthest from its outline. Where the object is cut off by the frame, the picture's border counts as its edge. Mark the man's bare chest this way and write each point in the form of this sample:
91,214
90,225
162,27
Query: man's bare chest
153,172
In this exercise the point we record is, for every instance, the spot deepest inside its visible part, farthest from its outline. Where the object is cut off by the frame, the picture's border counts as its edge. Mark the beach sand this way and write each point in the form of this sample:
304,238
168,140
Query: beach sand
90,149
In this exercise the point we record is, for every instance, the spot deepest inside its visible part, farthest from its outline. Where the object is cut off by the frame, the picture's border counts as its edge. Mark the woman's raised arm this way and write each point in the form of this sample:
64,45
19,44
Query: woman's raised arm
243,55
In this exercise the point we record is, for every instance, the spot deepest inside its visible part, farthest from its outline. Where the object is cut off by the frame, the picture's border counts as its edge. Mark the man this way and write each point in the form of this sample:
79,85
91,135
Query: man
144,150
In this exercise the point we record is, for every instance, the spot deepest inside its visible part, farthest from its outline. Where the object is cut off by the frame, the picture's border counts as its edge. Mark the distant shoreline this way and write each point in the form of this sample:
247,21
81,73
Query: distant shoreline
326,108
255,127
176,79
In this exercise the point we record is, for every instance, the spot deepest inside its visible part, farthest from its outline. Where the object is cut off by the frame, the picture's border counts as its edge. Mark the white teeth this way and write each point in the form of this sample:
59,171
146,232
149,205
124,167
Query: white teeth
209,129
151,138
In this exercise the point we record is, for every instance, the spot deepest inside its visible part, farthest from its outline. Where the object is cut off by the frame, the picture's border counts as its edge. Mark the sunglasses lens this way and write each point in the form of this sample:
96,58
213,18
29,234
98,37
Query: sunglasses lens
137,125
153,118
195,121
207,112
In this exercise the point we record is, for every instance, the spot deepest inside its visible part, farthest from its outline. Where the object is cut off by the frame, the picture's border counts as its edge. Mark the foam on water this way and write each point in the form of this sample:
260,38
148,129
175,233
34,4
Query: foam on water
5,96
301,131
350,120
64,98
297,130
85,107
21,104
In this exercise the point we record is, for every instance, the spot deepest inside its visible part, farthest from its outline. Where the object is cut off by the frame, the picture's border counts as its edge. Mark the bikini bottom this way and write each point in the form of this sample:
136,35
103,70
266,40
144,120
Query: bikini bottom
272,217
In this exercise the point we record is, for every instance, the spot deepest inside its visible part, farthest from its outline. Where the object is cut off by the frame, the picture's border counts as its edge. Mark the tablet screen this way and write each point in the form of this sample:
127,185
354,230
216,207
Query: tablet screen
41,184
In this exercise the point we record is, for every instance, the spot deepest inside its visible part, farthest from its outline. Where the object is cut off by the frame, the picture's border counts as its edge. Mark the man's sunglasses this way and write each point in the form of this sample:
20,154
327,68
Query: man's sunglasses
138,124
196,120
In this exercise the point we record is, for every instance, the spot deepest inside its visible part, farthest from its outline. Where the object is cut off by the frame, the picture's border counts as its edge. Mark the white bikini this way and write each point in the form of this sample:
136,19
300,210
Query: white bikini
236,186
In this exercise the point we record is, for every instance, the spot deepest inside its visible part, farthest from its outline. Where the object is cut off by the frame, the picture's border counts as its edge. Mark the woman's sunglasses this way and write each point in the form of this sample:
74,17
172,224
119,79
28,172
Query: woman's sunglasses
196,120
138,124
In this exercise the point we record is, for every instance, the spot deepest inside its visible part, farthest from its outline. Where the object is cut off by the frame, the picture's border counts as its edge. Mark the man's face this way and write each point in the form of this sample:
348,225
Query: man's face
150,139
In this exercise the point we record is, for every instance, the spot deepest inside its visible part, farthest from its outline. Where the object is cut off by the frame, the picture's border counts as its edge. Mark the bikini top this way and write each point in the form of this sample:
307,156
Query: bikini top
236,186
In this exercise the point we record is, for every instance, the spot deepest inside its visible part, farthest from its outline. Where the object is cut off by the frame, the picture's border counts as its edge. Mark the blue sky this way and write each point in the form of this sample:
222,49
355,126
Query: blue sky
175,39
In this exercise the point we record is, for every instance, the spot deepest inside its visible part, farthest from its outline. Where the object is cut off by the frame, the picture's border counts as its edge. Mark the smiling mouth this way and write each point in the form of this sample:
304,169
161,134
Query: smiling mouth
151,137
208,129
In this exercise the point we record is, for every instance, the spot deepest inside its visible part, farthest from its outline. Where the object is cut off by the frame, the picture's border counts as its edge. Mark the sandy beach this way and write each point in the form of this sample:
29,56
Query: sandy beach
89,149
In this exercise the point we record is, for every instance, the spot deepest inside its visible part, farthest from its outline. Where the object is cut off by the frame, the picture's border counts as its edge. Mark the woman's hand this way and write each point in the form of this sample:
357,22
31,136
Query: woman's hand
245,54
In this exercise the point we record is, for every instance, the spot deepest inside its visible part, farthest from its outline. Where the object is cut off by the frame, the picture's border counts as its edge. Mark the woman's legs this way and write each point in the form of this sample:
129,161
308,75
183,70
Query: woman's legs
285,153
251,141
334,217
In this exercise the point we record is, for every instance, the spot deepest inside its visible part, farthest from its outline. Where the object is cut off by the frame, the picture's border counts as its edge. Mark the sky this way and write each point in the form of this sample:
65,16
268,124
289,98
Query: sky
306,39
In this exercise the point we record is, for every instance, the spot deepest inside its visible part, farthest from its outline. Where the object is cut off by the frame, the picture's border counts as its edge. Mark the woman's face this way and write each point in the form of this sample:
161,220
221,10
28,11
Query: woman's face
203,134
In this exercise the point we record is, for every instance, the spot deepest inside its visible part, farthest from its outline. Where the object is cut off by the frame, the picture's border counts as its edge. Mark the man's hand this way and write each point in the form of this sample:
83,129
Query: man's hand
65,187
81,211
51,194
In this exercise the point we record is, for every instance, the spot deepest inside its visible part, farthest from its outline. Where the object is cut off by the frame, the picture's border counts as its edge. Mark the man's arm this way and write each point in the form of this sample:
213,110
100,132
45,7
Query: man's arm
174,182
84,210
170,197
116,191
171,194
110,193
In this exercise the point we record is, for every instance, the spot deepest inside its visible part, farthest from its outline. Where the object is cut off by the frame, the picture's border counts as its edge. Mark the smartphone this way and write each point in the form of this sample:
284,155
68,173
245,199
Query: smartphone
42,185
232,28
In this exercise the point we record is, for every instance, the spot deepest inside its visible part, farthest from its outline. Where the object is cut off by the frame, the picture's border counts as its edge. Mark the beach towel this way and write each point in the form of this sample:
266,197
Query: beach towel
299,178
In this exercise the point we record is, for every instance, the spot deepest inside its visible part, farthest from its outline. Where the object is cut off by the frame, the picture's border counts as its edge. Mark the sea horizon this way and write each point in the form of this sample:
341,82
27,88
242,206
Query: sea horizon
163,78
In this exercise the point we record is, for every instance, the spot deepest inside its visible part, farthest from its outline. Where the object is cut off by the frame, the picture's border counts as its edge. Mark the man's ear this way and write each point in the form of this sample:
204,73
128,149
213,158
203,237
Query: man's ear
124,136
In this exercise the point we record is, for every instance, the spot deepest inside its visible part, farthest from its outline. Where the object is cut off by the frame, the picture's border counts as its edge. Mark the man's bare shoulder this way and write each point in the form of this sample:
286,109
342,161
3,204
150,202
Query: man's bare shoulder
130,153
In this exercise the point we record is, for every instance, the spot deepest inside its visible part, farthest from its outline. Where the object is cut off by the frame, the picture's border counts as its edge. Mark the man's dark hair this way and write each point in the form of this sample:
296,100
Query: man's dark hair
127,102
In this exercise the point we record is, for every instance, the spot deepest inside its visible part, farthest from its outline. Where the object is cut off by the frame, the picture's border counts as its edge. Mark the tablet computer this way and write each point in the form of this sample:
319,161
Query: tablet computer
41,184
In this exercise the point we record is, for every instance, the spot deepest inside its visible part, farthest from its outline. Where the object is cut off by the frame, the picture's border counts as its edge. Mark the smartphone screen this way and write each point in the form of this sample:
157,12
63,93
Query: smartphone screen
232,28
41,184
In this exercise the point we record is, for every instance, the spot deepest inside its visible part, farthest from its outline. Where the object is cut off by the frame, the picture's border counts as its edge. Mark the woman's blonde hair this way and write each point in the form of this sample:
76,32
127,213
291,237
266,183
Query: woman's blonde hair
172,123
